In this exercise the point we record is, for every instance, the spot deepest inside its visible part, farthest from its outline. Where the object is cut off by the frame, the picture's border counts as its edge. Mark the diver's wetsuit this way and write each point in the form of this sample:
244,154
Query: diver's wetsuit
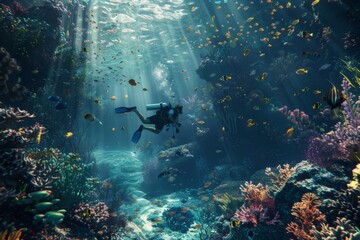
161,118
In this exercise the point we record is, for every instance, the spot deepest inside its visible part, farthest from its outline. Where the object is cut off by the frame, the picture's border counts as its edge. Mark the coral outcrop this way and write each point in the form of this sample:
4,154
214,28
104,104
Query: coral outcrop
308,177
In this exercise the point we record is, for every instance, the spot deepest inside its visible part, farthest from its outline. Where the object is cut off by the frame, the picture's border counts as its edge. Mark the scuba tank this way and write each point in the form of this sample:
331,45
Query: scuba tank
156,106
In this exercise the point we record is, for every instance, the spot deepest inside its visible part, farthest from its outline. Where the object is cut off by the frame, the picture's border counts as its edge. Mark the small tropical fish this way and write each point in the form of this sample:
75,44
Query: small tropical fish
204,198
251,122
91,118
132,82
305,89
113,98
171,213
311,54
296,94
266,100
316,92
296,21
290,132
113,129
249,19
288,5
144,89
126,96
235,223
123,128
38,139
334,97
195,89
201,122
305,34
315,2
69,134
225,78
246,52
301,71
87,213
197,226
97,101
324,67
316,105
264,76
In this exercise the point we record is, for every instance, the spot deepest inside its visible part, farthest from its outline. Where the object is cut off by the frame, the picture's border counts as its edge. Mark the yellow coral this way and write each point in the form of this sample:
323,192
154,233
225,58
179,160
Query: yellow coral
356,175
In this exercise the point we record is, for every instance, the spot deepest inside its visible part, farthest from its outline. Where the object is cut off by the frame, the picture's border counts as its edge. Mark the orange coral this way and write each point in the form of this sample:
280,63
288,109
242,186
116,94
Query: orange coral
307,214
255,194
279,180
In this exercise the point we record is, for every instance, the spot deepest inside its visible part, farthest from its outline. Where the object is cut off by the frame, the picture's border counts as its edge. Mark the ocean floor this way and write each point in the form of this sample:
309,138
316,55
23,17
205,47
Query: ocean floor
148,216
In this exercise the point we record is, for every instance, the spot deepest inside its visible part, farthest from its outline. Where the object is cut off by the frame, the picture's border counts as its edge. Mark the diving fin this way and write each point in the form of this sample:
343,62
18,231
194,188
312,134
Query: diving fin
124,109
136,137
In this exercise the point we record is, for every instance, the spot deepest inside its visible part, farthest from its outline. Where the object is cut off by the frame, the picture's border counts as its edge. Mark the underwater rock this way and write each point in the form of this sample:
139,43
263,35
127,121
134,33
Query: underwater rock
260,177
229,187
308,177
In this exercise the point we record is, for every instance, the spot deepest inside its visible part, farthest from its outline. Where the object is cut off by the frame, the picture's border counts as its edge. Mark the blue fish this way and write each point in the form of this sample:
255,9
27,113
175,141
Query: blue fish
61,106
54,98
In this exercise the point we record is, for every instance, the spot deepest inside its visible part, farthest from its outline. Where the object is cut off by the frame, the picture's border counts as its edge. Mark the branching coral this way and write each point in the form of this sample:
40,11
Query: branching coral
278,179
307,215
299,118
11,115
343,230
347,205
344,141
280,65
259,206
92,216
11,236
44,167
12,148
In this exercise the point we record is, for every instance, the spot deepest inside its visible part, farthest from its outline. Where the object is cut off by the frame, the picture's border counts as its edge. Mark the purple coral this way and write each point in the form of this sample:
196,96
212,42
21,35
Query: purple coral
338,144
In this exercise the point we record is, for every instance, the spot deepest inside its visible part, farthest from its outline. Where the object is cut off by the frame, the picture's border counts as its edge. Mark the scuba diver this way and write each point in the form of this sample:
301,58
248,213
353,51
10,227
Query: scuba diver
166,115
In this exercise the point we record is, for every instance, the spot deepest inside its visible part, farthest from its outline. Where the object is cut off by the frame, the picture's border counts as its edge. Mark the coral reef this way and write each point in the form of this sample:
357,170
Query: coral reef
12,151
341,143
297,117
178,219
308,177
259,207
307,215
347,205
92,216
281,66
8,65
278,179
343,230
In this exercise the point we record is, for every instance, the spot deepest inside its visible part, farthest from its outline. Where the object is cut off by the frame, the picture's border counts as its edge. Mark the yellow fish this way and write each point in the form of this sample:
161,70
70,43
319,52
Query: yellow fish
296,21
201,122
246,52
38,139
113,129
315,2
251,122
249,19
69,134
316,92
290,132
288,5
301,71
235,223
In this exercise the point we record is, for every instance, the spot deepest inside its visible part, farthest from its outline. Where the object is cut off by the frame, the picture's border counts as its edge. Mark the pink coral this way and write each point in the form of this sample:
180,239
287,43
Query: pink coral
299,118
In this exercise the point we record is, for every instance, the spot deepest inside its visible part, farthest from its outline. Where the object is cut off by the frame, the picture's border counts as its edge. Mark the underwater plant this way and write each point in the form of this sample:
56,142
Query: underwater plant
307,215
